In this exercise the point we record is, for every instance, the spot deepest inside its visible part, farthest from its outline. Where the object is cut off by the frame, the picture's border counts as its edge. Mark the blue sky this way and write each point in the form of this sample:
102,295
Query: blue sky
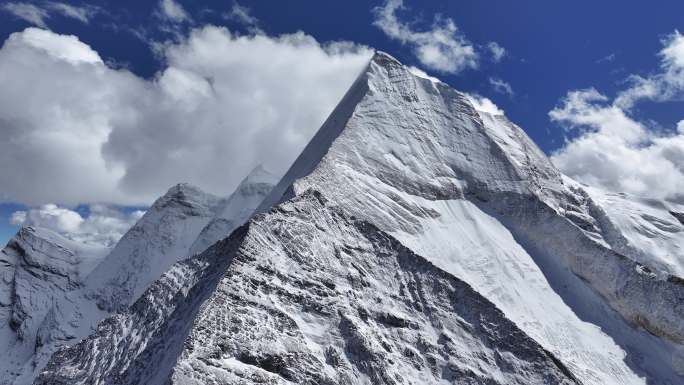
551,48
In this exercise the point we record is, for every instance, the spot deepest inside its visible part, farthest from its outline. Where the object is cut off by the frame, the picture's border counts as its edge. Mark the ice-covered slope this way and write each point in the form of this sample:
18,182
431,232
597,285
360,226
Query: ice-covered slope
650,230
37,267
233,211
171,230
461,190
306,294
161,237
469,191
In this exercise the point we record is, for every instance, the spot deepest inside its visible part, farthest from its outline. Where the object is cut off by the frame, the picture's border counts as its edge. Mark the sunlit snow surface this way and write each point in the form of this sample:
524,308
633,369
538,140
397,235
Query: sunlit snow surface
409,153
359,267
649,229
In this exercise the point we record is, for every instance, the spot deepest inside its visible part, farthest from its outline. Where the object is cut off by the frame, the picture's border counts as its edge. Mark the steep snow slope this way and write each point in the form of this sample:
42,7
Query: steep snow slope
37,267
161,237
412,161
651,231
235,210
174,227
307,295
416,159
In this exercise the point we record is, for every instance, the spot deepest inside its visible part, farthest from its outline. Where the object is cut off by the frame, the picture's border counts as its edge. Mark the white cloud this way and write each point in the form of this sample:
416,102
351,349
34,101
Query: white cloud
442,47
173,11
613,150
498,52
82,14
617,153
103,226
483,104
241,14
38,15
86,132
501,86
28,12
607,59
667,84
62,47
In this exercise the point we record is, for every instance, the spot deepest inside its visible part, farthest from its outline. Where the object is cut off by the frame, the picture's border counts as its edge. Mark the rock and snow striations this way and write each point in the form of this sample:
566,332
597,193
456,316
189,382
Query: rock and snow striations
416,240
37,268
55,291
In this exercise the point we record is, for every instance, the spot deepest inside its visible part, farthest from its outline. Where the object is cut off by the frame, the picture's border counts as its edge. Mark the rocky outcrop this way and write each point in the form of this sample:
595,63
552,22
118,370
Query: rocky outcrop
305,294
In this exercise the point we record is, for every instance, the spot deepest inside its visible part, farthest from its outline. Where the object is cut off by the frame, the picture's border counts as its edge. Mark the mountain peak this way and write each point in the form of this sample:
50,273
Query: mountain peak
422,137
383,58
259,174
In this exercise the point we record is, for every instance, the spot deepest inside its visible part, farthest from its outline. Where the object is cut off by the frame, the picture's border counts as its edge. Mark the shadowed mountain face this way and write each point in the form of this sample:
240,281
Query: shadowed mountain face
416,239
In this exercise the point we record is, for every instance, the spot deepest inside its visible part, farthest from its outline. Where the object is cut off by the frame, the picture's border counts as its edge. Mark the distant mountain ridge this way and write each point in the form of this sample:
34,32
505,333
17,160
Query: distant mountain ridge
70,287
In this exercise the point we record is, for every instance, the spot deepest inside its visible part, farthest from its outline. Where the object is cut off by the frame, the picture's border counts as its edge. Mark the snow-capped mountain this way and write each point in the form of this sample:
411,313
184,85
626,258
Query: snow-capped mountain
37,268
55,291
417,239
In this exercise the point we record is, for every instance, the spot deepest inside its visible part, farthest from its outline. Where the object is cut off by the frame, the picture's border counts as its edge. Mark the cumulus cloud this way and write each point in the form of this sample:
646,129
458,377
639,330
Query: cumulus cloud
501,86
498,52
220,107
103,226
613,150
441,48
28,12
617,153
666,84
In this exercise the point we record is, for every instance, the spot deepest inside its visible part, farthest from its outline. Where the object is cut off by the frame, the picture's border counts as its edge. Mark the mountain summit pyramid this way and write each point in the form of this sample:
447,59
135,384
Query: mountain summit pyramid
416,240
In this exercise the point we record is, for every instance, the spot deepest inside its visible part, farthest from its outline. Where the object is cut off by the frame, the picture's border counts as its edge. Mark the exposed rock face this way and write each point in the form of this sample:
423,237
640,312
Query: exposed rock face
308,295
415,240
57,290
37,267
470,192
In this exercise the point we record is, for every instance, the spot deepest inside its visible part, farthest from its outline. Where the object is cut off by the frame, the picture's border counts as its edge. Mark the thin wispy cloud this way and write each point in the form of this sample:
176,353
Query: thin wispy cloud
496,51
37,14
241,14
82,14
28,12
606,59
173,11
441,47
501,86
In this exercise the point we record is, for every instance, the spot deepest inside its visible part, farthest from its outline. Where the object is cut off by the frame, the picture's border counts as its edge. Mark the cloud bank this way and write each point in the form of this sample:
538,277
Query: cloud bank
219,107
615,151
104,226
